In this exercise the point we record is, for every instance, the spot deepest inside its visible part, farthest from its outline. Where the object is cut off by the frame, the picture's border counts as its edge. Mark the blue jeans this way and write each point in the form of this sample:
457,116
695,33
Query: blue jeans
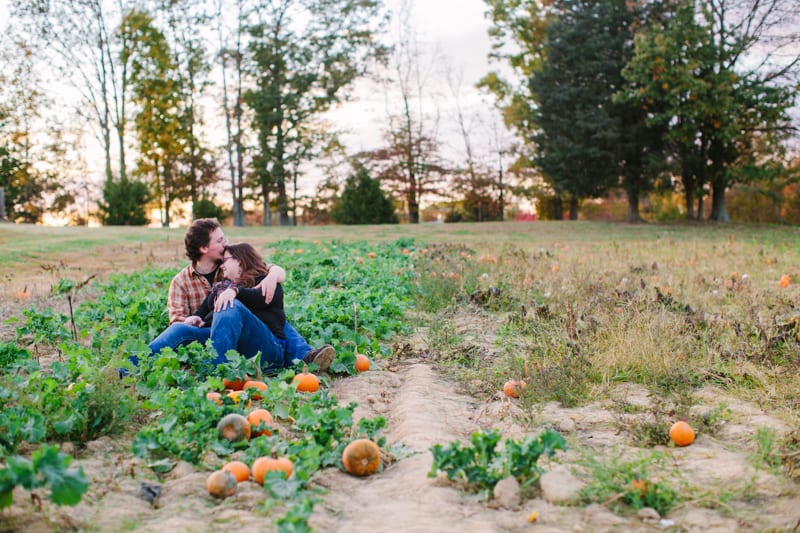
180,334
237,328
296,346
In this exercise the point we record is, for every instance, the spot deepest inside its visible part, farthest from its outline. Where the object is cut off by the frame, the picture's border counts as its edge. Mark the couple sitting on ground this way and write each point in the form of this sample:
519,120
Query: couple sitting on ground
229,295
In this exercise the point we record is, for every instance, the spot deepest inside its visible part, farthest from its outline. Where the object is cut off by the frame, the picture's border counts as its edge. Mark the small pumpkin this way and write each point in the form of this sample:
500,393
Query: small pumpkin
239,470
362,362
254,387
361,457
235,395
221,484
681,433
262,465
234,427
214,397
258,417
234,384
639,485
305,381
513,388
785,281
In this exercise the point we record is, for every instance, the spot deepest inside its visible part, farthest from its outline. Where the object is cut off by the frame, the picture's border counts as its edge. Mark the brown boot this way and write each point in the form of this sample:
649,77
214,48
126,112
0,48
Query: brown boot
322,357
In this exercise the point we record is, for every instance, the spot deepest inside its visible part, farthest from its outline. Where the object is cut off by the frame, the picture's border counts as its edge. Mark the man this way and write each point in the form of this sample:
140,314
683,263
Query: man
205,243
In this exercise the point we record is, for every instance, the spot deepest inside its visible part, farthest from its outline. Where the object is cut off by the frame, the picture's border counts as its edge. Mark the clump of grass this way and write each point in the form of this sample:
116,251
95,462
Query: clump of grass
565,380
767,454
628,485
711,421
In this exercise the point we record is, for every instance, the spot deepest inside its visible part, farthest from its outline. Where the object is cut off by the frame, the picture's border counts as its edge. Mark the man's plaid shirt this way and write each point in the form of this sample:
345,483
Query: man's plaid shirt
186,292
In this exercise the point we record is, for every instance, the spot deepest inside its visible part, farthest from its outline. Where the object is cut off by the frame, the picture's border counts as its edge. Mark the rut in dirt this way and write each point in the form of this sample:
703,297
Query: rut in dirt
421,410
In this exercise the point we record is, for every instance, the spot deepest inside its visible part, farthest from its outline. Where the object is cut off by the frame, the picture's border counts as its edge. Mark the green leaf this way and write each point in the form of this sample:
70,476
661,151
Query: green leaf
51,466
69,487
65,425
162,466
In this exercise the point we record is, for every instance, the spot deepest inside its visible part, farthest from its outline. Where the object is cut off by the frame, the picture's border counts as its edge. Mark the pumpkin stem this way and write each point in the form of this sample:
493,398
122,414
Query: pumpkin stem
305,368
257,365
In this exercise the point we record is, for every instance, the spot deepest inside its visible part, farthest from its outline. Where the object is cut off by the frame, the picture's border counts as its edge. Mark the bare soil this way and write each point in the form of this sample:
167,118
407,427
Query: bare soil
422,407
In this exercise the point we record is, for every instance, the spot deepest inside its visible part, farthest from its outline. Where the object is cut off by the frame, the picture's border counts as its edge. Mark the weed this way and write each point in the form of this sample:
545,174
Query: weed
484,462
710,422
615,482
565,380
767,454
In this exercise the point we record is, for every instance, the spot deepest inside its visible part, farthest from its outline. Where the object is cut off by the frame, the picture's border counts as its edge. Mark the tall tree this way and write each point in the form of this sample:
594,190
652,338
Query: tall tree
305,55
719,74
517,33
162,137
410,161
475,182
231,60
588,143
76,37
27,140
182,19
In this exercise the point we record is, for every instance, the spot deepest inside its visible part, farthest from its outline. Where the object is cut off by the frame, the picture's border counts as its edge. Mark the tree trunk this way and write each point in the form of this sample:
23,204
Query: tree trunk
700,205
573,208
267,220
413,209
718,209
634,217
558,208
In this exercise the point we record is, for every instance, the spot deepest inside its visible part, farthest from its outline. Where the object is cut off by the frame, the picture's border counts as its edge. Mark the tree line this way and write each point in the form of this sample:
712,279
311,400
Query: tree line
691,96
676,95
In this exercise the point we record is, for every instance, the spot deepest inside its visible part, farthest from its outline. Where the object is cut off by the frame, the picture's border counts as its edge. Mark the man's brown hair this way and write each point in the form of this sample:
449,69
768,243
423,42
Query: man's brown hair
198,235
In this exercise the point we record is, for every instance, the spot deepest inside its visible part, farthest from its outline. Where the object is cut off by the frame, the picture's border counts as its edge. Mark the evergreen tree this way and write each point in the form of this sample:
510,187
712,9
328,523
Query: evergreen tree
124,203
587,143
363,202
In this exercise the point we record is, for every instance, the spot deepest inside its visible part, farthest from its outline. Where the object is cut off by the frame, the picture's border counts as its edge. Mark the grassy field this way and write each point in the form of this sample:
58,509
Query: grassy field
704,319
23,243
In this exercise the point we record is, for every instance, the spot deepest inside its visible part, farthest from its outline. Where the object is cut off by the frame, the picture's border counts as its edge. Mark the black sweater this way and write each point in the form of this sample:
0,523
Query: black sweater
271,314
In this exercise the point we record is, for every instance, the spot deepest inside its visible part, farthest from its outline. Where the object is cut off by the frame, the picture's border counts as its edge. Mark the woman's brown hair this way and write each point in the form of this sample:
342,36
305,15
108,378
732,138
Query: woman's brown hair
250,261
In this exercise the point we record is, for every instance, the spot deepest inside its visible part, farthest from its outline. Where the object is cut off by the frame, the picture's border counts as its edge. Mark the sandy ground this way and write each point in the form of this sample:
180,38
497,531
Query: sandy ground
422,408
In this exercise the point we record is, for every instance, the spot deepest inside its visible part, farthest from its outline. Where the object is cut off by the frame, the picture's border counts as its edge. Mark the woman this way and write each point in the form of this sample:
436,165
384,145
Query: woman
245,322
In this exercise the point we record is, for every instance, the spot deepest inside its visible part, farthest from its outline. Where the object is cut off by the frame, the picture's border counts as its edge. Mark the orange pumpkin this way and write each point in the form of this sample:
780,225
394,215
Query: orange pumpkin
234,427
234,384
681,433
513,388
256,418
785,281
221,484
306,382
239,470
362,363
262,465
214,397
361,457
235,395
254,387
